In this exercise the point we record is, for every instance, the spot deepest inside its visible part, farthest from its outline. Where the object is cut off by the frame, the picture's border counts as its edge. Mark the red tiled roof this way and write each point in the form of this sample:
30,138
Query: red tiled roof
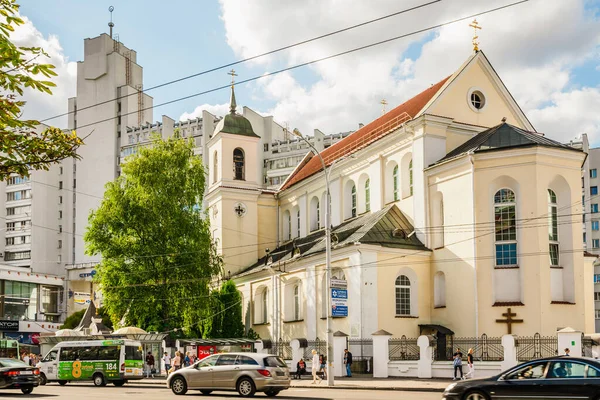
367,134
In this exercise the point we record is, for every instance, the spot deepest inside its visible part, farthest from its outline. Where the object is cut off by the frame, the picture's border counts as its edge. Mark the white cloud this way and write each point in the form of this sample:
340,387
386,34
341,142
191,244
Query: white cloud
534,49
41,105
215,109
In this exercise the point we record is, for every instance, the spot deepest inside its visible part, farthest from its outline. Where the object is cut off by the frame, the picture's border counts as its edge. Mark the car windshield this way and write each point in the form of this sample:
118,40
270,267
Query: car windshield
531,371
274,362
9,363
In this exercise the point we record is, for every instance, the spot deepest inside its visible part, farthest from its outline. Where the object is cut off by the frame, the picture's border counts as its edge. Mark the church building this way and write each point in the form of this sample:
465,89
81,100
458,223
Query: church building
449,213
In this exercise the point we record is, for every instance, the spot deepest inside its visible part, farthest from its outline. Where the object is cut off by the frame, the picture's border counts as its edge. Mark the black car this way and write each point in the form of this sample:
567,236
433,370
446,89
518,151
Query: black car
15,374
559,377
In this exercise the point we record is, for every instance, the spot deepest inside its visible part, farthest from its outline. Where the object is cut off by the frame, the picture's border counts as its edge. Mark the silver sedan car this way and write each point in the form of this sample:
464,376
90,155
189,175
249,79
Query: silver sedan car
246,373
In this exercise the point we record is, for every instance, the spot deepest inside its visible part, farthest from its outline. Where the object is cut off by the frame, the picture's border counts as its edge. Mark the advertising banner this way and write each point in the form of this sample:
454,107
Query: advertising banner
205,351
82,300
339,302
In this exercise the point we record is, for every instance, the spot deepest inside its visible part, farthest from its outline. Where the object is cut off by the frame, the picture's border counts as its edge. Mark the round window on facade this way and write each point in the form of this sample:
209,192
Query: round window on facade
477,100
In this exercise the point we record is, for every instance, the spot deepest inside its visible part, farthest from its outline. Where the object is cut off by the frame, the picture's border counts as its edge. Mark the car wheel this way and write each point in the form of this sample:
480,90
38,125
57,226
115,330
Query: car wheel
27,390
62,383
179,385
271,393
245,387
99,380
476,395
205,392
43,379
118,383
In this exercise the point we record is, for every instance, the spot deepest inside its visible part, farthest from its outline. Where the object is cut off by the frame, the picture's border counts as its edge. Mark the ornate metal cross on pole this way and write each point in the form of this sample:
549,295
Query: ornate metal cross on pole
475,26
383,104
233,75
509,320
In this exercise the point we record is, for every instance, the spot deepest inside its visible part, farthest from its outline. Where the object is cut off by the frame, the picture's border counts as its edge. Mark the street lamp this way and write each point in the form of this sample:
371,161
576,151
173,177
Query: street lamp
327,257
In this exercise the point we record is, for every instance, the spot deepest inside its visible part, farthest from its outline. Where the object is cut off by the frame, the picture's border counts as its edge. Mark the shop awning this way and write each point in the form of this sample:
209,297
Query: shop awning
440,328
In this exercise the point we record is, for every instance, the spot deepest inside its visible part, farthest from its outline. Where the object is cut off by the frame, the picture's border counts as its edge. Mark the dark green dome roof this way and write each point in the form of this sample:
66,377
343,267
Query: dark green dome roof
237,125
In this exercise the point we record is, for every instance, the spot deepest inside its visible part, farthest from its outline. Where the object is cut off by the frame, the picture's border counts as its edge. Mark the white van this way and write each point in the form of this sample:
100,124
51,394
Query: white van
100,361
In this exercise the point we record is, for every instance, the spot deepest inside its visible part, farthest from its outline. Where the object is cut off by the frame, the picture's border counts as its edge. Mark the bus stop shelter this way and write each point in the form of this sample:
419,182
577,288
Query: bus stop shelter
205,347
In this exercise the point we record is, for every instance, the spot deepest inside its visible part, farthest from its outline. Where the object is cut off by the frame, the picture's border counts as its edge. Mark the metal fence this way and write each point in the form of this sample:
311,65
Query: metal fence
282,349
484,348
319,345
362,355
403,349
536,346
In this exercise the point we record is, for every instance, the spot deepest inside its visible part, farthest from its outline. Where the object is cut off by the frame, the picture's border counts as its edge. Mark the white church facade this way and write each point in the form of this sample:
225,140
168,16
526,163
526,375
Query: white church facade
446,211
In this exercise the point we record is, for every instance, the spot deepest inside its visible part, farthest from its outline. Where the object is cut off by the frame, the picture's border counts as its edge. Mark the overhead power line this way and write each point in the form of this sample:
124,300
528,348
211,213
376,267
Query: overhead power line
276,72
251,58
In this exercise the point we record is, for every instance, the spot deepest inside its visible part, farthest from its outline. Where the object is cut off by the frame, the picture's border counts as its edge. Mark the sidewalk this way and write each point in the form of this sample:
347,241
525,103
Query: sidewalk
357,383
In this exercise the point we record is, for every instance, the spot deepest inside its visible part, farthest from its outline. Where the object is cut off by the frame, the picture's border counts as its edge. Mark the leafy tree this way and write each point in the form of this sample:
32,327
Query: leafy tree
227,313
74,319
158,255
22,147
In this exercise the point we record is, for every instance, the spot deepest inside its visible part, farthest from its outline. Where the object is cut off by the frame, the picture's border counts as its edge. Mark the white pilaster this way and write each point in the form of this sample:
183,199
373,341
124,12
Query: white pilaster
510,352
425,356
310,294
381,353
339,344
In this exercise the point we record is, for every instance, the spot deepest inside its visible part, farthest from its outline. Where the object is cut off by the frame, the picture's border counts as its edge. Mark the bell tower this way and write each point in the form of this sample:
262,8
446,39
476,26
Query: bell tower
234,188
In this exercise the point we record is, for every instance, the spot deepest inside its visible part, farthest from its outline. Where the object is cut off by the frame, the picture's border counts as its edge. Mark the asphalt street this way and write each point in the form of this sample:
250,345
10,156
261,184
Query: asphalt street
133,392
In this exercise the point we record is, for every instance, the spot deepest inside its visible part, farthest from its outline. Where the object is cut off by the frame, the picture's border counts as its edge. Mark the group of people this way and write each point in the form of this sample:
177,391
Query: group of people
457,362
179,361
319,365
30,358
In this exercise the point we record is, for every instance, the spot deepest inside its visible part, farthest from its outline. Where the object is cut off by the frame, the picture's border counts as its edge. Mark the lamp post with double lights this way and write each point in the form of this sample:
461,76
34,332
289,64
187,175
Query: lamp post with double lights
330,381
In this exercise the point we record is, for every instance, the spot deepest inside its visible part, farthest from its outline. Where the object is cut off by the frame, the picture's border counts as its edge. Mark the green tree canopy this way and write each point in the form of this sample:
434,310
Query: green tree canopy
226,305
24,144
158,256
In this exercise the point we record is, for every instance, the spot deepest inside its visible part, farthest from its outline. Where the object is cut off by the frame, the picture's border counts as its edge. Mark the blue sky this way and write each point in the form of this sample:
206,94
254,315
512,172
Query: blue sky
546,51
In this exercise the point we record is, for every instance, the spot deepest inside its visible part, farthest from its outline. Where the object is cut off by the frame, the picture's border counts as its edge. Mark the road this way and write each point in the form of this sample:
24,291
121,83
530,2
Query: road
147,392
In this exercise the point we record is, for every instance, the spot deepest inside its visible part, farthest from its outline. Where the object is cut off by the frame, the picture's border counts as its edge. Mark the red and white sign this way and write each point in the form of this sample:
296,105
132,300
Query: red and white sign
205,351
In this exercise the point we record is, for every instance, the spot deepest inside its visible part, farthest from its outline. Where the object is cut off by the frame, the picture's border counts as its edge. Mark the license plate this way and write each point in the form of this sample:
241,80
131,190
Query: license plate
279,373
26,373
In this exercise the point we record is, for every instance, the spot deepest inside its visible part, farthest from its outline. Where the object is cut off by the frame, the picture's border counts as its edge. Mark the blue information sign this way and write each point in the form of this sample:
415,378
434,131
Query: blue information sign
339,302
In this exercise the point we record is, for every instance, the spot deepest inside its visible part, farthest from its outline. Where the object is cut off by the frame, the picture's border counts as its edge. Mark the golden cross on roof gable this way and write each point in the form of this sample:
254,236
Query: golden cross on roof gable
383,104
233,75
475,26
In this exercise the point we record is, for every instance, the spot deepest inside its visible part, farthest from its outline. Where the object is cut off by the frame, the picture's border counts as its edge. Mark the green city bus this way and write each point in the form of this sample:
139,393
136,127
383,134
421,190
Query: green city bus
9,348
100,361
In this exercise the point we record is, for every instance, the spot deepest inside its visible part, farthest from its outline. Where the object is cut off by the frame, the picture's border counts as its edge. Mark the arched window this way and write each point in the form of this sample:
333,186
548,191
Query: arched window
410,177
315,214
505,227
439,289
553,228
215,167
402,295
396,186
265,305
287,225
239,171
353,201
298,223
368,195
296,302
318,215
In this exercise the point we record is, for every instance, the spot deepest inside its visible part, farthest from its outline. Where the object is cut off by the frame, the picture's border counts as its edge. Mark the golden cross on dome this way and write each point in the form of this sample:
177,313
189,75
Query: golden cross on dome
383,104
233,75
475,26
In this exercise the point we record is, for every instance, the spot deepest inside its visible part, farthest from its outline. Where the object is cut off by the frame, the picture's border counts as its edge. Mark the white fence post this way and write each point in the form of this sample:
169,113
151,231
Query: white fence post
510,352
569,338
425,356
381,353
339,344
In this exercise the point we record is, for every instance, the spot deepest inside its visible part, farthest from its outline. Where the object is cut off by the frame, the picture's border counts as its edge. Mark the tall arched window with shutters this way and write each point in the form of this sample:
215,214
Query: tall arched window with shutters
505,217
265,305
296,302
553,249
353,200
410,176
239,169
215,167
368,195
396,186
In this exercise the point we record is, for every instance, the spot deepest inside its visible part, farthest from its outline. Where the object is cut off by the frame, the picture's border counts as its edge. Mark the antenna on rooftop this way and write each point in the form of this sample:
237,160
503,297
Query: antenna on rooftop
110,24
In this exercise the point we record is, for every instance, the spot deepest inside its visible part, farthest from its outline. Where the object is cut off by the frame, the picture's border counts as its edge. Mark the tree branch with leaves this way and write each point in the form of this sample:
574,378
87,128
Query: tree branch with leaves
24,143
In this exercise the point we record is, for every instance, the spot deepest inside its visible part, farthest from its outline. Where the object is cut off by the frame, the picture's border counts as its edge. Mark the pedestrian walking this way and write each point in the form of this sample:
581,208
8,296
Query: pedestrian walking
25,358
458,364
177,361
186,360
471,373
315,367
348,362
167,360
150,365
323,366
567,352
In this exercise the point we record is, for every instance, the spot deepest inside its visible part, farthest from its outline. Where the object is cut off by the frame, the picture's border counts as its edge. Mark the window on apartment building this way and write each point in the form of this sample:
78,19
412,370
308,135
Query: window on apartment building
595,225
60,244
60,200
594,208
59,228
16,180
20,301
18,195
593,190
584,239
596,296
596,278
505,227
17,255
119,120
266,147
595,243
74,183
597,312
119,106
60,170
18,210
59,214
60,184
368,195
593,173
553,228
